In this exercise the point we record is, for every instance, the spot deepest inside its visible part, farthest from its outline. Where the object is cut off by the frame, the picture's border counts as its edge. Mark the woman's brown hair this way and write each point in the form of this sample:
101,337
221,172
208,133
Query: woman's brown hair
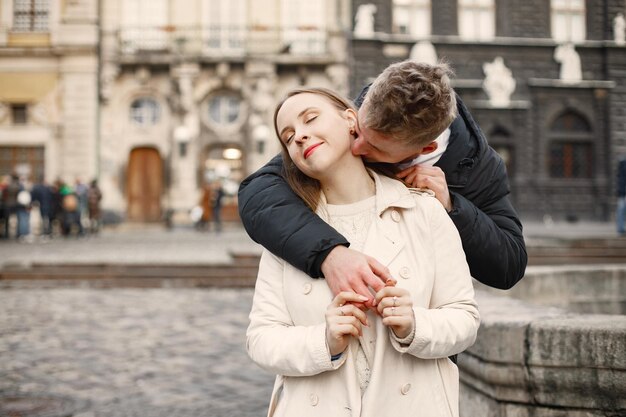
307,188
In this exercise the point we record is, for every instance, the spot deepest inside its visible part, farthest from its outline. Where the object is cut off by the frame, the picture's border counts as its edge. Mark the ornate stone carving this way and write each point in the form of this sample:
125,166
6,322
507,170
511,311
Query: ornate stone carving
424,51
364,21
569,59
499,83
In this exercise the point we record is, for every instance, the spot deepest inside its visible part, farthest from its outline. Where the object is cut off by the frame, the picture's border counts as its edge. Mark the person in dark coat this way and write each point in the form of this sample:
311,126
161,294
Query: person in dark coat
42,195
621,197
218,195
468,175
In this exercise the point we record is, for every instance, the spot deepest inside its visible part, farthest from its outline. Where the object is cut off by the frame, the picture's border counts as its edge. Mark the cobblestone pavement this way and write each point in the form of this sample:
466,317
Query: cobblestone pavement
133,352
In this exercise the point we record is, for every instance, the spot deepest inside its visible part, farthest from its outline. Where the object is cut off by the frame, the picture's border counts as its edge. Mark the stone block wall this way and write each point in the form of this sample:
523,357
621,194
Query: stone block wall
542,361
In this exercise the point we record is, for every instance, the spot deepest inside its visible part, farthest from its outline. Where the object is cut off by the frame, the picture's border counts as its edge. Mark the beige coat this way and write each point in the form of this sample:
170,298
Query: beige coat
415,238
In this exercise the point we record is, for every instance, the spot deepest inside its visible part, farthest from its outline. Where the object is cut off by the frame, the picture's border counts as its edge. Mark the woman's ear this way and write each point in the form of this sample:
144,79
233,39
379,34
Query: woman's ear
350,116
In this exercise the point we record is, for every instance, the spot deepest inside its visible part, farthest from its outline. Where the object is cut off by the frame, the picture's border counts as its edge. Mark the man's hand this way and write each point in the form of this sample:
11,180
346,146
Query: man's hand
432,178
348,270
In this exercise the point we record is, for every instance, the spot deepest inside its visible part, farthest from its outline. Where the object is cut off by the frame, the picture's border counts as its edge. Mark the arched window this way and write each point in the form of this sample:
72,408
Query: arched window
571,147
145,111
224,108
500,141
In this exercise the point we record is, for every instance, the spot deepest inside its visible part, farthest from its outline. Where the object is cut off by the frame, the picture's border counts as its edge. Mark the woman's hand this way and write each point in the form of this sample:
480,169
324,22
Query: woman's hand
344,320
396,308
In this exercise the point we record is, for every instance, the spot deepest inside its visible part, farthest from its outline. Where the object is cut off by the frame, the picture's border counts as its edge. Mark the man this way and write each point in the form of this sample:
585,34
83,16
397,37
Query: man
466,175
620,216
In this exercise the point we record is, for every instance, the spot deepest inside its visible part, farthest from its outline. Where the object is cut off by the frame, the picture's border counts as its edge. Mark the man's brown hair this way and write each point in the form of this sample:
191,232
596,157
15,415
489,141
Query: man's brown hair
412,102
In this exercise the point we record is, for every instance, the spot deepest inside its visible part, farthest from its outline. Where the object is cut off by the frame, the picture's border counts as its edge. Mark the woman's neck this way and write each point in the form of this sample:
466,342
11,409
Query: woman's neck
348,184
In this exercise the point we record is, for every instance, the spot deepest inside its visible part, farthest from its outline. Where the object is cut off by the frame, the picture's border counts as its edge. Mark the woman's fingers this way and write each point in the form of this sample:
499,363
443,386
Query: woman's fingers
392,297
347,297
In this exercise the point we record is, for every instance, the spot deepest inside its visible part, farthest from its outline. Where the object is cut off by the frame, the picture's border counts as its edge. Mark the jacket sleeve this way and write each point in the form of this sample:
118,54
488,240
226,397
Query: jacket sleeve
273,341
450,323
491,233
274,216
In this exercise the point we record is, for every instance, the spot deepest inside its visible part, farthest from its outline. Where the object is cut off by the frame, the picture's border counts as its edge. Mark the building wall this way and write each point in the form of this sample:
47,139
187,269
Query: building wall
185,76
523,40
54,73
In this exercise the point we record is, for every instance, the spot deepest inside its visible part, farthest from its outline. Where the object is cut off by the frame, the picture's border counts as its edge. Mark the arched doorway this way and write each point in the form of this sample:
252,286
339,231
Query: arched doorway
223,163
144,185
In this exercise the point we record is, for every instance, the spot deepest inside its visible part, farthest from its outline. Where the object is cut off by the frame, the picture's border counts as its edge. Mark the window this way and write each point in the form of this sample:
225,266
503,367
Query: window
571,147
412,17
304,27
477,20
143,24
568,20
145,111
500,141
225,25
27,161
224,109
19,114
31,15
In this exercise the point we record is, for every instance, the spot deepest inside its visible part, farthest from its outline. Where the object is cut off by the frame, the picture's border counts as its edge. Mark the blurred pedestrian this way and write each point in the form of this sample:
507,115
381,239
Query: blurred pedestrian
4,183
217,205
23,207
9,199
94,196
81,189
206,205
621,197
43,197
71,211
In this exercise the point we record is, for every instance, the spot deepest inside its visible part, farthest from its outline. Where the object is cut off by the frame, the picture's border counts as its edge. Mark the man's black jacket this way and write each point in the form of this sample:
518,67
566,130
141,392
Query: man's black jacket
490,230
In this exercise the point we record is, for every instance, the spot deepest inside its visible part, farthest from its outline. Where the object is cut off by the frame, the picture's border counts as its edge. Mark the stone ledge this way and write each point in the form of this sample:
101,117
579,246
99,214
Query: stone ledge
541,361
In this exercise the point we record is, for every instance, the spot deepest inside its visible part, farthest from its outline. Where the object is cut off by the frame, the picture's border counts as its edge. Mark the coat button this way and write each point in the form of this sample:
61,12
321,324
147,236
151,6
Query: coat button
405,389
307,288
395,216
405,272
314,400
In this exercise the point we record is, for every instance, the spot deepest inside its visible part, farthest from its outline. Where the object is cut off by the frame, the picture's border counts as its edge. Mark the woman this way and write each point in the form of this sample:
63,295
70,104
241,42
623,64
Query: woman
332,358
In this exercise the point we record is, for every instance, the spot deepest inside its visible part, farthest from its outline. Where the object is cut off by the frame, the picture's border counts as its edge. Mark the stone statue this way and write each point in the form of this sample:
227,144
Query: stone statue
364,21
499,83
619,29
424,51
569,59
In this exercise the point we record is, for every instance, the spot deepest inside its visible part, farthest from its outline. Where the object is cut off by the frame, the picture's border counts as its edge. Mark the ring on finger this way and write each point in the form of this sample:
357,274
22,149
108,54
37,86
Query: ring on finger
395,300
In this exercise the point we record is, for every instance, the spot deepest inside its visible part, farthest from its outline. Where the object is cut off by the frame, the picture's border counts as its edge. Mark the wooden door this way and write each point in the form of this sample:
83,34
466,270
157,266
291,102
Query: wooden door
144,185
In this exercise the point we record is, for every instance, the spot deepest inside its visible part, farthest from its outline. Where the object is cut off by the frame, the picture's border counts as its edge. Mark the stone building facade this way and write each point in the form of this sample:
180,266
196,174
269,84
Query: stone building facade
156,98
554,105
48,89
188,89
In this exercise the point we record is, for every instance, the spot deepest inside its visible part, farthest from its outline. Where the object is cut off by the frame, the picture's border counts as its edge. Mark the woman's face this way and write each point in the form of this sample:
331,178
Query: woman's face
315,133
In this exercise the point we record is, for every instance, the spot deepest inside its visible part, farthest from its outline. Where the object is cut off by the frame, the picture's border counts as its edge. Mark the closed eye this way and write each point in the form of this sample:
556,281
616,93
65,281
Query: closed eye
311,118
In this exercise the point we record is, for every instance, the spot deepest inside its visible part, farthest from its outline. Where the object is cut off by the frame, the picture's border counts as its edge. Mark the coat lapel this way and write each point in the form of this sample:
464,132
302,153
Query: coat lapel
384,241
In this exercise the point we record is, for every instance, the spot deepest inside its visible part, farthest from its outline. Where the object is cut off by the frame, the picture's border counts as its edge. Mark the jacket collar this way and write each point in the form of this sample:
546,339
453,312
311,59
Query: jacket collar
390,193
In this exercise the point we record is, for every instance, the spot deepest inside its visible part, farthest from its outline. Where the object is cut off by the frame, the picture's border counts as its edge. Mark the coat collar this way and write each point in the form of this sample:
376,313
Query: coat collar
384,240
390,193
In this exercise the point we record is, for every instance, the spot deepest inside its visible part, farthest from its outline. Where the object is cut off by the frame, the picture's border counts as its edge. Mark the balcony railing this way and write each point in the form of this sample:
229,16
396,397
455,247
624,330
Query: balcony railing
223,40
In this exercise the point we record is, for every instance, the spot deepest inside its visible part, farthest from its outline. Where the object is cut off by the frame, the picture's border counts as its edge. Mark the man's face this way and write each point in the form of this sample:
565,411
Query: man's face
374,146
